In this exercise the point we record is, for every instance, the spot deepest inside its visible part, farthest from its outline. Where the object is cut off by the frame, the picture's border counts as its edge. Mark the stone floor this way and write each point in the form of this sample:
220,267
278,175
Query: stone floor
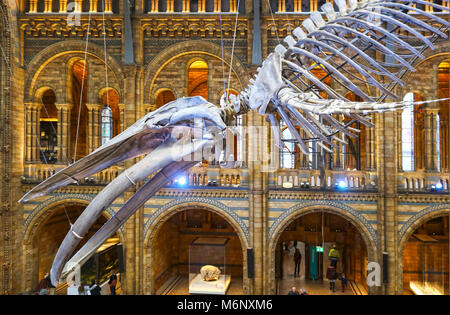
312,287
181,286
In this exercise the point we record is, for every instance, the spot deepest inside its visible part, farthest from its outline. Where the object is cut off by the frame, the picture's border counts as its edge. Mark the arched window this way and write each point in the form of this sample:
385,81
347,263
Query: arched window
107,124
408,135
198,79
287,155
79,112
110,98
48,128
163,97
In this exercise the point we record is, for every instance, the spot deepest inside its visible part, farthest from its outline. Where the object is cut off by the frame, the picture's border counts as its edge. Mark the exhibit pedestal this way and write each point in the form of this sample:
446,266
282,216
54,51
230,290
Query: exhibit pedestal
200,286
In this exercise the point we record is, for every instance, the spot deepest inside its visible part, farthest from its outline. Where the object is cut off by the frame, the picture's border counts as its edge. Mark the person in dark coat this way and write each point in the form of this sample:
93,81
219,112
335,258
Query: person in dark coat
95,288
297,262
343,282
333,277
293,291
44,285
112,284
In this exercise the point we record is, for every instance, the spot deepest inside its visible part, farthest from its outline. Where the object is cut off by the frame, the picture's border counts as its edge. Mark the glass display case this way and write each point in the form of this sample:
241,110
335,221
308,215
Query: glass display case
207,266
432,278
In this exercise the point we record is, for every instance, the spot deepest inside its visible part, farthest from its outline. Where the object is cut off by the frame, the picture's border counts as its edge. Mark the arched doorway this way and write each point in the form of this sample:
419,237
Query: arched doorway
43,241
79,113
425,258
170,258
314,233
197,78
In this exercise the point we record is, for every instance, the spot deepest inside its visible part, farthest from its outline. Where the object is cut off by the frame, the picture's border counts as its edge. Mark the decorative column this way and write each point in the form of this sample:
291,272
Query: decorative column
63,132
430,139
202,6
48,6
217,5
170,6
93,6
297,5
122,116
186,6
154,6
33,6
62,6
79,6
370,146
108,6
233,5
281,6
94,131
32,132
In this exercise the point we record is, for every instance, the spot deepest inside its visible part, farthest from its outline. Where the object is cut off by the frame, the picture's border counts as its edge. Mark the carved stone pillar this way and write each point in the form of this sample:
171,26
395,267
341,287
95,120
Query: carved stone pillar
233,5
430,139
93,126
297,6
63,132
217,5
202,6
79,6
108,6
186,6
170,6
33,6
32,132
281,6
154,6
48,6
62,6
370,146
122,116
93,6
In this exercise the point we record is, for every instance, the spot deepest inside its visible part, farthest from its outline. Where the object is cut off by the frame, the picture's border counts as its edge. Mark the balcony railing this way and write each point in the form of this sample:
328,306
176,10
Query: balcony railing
423,182
330,179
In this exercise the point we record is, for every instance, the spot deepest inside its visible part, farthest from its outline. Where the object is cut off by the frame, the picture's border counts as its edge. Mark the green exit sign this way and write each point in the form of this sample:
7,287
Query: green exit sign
319,249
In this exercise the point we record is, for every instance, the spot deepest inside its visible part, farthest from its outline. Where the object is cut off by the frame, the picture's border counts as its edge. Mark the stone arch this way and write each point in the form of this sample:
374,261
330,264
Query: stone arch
38,217
162,90
408,229
41,91
434,57
367,232
103,90
201,47
164,213
68,47
46,209
417,220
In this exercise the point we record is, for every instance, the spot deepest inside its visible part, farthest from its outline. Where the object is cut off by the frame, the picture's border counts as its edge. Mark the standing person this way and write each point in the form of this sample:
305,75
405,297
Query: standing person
112,284
334,256
44,285
95,288
82,288
303,292
297,261
333,278
343,282
51,287
293,291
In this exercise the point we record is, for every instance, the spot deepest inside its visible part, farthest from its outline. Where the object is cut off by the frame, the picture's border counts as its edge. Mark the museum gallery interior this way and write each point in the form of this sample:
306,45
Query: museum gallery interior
226,147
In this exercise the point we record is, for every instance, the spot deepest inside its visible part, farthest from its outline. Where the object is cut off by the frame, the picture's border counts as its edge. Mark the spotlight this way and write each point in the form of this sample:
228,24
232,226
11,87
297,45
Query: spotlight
181,181
438,186
341,184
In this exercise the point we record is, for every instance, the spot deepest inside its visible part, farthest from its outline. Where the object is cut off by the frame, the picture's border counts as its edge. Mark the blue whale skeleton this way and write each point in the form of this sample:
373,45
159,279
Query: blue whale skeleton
342,43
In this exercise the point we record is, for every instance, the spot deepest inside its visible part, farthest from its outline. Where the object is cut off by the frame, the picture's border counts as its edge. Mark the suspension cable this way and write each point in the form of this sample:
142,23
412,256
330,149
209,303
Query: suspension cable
232,48
82,84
